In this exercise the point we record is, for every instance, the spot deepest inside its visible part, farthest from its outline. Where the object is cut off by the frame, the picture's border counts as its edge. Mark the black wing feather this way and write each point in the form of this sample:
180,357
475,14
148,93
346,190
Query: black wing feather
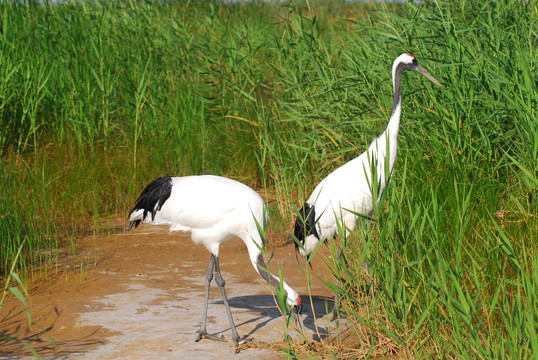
305,224
152,198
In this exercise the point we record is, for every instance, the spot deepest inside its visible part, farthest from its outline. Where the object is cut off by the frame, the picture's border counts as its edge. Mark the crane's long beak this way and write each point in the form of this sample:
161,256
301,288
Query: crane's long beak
296,313
427,74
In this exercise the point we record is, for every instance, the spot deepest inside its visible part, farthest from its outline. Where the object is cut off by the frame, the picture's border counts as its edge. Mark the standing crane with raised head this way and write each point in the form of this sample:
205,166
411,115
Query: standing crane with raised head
213,209
349,190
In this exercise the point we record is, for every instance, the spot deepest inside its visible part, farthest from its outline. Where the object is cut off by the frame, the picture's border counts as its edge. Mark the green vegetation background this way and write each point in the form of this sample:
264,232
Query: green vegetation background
99,98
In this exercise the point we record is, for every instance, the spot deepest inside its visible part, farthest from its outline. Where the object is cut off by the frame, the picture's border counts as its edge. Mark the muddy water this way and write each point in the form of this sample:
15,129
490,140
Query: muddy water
140,294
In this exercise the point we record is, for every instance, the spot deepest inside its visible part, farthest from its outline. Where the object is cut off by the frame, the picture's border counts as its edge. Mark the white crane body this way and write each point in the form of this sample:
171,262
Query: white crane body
349,190
212,209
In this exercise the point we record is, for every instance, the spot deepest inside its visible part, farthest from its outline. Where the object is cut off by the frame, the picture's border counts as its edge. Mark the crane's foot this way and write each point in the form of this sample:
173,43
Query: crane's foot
245,343
366,289
204,335
334,314
242,341
337,315
336,309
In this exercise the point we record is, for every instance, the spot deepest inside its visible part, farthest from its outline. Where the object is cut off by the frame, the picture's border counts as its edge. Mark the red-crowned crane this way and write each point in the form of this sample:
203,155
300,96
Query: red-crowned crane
348,190
213,209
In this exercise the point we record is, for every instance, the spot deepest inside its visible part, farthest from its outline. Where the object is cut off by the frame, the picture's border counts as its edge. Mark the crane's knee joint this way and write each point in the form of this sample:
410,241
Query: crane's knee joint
219,280
209,275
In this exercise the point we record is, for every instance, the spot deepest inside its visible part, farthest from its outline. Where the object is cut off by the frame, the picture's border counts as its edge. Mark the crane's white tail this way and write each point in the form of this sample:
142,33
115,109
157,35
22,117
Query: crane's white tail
150,200
305,230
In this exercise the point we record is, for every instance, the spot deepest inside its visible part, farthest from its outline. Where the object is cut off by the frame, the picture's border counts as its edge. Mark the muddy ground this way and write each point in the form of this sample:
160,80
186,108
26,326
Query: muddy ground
140,294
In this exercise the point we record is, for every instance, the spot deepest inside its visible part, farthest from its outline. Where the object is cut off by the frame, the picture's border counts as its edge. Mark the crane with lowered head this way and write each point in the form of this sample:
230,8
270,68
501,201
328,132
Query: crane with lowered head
212,209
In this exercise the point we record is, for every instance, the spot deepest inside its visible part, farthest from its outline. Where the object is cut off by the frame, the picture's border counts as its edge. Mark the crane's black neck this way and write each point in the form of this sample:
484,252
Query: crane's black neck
265,274
397,88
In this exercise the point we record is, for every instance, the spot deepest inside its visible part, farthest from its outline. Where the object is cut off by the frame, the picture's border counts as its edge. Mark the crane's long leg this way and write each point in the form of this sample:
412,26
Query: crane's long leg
336,297
202,332
220,283
368,289
348,227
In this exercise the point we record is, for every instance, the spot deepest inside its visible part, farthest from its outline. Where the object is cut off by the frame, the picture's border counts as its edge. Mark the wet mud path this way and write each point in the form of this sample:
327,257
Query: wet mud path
140,294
